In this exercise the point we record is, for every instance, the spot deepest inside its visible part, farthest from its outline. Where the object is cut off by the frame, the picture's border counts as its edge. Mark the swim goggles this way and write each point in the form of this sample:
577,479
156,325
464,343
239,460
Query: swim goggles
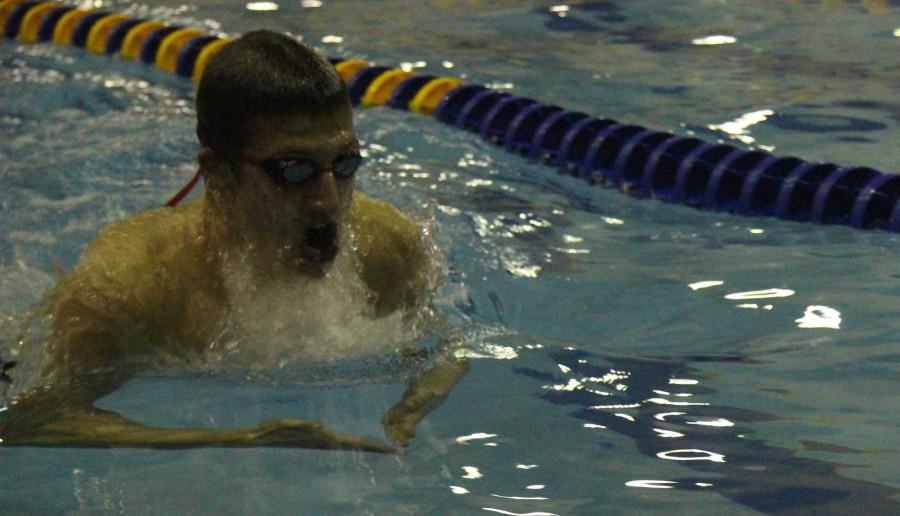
285,171
295,171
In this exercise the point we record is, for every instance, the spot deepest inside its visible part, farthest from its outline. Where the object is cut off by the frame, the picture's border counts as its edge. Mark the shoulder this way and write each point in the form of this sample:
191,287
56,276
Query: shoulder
148,230
393,254
382,227
125,260
149,236
119,291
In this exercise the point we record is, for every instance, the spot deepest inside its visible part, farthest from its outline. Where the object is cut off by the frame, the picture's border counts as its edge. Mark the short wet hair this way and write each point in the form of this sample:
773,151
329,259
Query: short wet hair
261,74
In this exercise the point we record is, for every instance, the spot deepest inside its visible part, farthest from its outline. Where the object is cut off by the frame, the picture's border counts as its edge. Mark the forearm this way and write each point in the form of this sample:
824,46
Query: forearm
424,394
102,429
64,416
435,384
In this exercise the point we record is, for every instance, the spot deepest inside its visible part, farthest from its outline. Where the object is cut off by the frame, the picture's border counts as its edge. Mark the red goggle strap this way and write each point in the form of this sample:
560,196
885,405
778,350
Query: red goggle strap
186,189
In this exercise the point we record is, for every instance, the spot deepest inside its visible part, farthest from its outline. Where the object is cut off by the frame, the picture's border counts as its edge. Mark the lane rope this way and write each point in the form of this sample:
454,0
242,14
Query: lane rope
640,162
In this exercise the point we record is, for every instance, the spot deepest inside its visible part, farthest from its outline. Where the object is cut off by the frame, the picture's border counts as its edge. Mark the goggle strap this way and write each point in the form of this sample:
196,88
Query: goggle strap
185,190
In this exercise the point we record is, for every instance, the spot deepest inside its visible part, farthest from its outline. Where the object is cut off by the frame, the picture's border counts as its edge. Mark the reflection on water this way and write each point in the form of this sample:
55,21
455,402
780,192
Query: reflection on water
818,316
760,294
635,397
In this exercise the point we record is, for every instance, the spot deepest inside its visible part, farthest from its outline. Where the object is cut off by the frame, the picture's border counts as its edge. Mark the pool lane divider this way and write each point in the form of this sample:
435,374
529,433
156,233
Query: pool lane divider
641,162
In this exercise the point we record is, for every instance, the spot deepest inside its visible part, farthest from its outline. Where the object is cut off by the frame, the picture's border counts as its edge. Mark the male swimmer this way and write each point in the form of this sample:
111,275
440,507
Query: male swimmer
279,156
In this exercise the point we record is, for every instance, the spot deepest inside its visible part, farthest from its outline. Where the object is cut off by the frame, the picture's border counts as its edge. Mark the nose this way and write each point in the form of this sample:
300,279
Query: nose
323,194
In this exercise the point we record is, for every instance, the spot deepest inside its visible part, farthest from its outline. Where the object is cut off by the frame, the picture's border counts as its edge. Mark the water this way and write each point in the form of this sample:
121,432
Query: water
594,360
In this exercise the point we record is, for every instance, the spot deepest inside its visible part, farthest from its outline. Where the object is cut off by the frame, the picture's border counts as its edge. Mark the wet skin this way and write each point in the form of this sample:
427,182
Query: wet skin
152,285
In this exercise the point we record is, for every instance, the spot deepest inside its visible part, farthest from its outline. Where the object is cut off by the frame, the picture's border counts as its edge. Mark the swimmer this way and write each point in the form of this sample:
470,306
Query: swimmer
279,156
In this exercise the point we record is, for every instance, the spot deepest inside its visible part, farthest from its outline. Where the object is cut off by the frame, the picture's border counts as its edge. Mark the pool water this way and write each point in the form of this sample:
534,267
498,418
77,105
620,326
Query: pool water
627,356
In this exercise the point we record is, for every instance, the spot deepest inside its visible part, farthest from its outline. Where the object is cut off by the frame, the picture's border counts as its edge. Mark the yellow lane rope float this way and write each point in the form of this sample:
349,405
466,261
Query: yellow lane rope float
167,55
135,38
428,98
196,71
28,32
101,31
350,67
381,89
6,8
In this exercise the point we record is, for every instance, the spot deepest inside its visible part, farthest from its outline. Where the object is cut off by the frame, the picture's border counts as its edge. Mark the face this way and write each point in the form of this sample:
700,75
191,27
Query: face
293,189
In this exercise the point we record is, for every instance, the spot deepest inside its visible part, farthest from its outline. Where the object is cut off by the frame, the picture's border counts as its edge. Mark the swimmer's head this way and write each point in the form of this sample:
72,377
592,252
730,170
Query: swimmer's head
279,150
262,74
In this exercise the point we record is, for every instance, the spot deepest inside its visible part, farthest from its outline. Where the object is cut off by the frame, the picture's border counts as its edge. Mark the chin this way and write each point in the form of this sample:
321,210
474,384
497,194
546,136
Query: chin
314,265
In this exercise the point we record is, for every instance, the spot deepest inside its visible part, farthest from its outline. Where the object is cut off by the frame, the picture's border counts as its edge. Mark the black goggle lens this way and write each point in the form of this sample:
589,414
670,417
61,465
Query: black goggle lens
346,165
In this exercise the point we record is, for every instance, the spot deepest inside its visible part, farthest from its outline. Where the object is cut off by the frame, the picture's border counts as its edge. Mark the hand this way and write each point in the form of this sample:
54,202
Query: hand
309,434
400,421
423,395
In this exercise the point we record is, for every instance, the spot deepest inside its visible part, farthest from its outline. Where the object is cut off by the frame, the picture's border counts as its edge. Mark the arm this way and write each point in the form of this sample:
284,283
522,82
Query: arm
63,416
402,269
424,394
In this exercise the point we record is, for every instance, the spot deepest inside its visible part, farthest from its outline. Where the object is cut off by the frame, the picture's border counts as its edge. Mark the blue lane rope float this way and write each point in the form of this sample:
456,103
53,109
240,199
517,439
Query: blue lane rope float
641,162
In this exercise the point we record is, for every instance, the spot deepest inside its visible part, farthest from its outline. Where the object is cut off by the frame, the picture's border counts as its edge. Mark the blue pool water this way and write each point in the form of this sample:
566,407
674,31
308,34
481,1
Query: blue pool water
629,356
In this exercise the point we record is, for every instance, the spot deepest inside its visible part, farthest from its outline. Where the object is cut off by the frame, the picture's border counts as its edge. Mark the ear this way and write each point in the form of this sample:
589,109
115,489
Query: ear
209,161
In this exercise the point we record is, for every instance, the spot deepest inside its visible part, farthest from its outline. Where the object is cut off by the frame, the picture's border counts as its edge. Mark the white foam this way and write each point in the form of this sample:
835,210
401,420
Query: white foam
304,319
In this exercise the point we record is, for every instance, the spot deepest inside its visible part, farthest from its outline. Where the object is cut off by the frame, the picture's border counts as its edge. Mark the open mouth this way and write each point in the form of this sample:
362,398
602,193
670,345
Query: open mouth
320,243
